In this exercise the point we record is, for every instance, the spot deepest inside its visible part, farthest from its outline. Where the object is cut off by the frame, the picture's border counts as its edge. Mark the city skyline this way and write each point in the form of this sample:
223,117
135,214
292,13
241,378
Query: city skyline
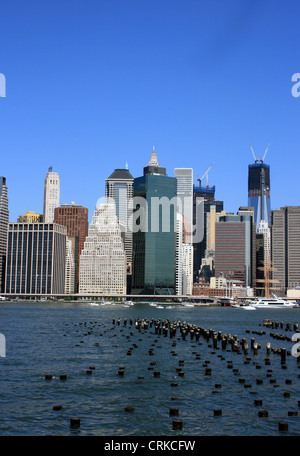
200,80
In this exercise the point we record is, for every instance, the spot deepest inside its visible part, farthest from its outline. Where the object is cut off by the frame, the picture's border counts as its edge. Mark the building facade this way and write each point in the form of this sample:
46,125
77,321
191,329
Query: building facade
285,248
119,189
4,220
235,249
35,263
259,191
205,196
103,259
70,267
75,218
154,244
51,195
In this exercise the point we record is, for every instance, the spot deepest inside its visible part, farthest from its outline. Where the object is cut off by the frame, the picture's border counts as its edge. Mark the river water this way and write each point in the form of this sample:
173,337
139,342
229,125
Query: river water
91,344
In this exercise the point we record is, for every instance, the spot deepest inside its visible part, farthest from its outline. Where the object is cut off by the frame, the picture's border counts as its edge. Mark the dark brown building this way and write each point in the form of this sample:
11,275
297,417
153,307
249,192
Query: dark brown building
235,249
75,218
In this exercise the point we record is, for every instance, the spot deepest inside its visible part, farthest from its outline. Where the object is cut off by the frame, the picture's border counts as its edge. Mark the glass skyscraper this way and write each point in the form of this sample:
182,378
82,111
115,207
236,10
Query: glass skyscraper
259,191
4,219
154,246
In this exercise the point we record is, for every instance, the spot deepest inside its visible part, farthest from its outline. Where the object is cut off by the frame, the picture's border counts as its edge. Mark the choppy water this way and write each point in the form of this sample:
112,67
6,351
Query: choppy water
58,338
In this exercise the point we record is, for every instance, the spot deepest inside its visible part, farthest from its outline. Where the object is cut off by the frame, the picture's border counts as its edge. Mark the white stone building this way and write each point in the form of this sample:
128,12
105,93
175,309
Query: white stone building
51,195
103,259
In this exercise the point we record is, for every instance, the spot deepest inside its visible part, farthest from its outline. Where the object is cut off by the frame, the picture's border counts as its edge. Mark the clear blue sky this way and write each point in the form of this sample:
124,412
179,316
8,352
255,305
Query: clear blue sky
92,84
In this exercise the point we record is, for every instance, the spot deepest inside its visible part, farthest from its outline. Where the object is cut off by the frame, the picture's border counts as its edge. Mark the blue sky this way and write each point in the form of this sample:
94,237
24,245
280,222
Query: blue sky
91,85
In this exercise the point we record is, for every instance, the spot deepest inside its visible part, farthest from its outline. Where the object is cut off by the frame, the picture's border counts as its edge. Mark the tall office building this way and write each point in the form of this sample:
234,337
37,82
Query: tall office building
119,187
207,196
178,254
4,219
285,248
51,195
35,263
75,218
70,268
103,259
184,177
259,190
235,248
154,247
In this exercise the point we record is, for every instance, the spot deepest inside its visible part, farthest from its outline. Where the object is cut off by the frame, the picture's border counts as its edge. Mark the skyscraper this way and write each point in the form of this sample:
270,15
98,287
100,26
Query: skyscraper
75,218
103,259
259,190
70,268
154,246
184,178
51,195
36,255
285,248
207,195
235,248
4,219
119,187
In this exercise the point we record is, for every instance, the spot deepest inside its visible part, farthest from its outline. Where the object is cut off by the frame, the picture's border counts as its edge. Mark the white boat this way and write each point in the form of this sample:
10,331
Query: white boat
272,303
129,303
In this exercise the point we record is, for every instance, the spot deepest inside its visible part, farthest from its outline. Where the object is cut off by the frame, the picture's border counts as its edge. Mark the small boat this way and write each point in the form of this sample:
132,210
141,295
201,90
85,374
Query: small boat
227,302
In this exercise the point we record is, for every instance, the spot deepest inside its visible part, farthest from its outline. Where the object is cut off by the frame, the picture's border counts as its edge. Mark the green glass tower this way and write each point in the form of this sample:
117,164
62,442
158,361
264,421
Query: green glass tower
154,242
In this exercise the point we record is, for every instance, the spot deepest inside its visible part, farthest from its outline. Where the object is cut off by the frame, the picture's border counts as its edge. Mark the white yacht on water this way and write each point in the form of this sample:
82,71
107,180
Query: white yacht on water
272,303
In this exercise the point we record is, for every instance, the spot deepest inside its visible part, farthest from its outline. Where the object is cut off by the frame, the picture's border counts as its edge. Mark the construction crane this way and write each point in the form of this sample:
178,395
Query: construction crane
259,158
205,174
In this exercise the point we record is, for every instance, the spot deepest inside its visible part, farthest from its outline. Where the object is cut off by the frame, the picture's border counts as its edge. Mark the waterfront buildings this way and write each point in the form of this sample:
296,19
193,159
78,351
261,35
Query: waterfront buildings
35,263
4,219
285,249
103,259
154,235
259,191
51,195
235,248
75,218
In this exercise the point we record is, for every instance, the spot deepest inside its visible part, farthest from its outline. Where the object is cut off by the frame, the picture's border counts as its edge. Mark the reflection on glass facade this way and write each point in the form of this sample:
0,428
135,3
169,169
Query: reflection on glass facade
35,259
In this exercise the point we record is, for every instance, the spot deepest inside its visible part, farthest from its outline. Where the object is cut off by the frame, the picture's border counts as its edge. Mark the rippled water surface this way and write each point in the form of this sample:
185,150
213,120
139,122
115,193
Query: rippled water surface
70,339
